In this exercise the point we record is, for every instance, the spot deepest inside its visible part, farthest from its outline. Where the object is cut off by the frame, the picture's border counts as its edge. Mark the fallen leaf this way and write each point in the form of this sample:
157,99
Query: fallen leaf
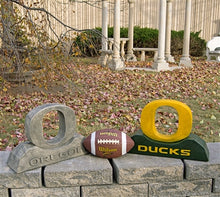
201,122
213,117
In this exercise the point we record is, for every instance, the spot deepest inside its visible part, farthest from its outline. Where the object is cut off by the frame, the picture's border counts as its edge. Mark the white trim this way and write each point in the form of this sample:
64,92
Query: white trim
124,143
93,143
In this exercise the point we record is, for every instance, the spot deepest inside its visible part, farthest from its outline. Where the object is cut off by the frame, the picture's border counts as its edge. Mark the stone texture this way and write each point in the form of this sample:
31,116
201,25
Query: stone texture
204,170
92,176
216,185
26,156
185,61
210,195
37,151
10,179
67,125
184,188
116,64
161,66
3,193
134,168
84,170
47,192
115,190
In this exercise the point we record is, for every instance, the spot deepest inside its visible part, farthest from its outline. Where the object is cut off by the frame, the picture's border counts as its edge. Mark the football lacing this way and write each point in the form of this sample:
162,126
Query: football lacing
105,141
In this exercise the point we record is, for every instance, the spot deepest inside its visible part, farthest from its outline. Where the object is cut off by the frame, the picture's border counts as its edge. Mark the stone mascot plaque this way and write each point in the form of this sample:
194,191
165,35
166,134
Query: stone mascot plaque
37,151
182,144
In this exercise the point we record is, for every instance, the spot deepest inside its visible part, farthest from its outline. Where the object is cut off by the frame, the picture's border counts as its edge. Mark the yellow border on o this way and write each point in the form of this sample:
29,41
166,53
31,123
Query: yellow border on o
148,121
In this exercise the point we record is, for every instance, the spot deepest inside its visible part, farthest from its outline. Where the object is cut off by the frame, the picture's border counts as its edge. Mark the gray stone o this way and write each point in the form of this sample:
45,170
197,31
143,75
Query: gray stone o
34,125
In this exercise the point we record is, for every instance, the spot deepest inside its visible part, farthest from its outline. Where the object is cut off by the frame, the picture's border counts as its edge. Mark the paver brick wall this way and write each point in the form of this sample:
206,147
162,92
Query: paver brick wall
129,175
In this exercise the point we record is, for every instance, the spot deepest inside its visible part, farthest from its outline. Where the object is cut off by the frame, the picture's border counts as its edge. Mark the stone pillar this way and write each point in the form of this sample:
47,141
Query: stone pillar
160,63
168,56
116,63
103,58
130,56
185,59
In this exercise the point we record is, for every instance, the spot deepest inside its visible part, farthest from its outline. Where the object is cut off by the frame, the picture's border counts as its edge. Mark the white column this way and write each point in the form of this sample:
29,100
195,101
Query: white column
130,55
103,58
104,24
160,63
168,55
185,59
116,63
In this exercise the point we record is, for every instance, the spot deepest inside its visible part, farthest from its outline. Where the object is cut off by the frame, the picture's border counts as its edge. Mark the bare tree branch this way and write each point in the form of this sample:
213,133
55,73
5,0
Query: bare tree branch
49,14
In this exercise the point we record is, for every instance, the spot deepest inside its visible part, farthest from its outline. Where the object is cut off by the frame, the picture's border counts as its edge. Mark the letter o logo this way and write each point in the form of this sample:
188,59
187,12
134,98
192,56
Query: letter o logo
148,121
34,161
34,125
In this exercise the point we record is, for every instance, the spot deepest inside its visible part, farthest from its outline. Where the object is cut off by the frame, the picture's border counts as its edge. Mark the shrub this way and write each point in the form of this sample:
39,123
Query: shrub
143,37
197,45
87,43
177,42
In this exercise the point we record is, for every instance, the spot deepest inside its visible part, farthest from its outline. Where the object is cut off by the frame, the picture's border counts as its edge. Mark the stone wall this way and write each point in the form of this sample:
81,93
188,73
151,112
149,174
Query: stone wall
129,175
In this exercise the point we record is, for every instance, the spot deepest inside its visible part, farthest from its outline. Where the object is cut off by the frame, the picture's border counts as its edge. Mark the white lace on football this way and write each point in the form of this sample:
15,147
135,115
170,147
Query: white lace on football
105,141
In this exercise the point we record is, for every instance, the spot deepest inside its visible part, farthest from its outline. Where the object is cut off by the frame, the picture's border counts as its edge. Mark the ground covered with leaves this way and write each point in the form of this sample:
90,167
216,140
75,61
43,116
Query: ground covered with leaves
102,98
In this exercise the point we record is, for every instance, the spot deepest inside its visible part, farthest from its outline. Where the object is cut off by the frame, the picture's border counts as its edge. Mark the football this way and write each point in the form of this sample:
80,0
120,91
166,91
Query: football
108,143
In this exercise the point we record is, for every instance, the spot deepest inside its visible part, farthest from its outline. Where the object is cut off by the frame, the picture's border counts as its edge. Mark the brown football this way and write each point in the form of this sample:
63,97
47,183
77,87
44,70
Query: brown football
108,143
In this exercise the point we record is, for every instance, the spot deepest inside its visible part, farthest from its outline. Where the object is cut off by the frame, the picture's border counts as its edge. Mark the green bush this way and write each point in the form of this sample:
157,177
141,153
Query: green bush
197,45
87,43
177,42
143,38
